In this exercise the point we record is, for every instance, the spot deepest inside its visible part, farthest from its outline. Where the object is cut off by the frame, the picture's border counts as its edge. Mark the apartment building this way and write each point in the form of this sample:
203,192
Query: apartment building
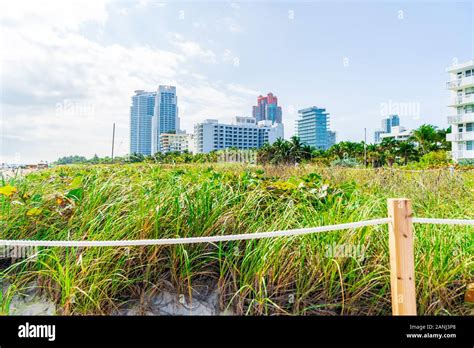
313,128
245,133
461,104
141,113
180,142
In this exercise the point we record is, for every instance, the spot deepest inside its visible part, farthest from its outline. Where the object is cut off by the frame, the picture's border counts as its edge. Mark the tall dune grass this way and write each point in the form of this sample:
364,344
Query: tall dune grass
292,275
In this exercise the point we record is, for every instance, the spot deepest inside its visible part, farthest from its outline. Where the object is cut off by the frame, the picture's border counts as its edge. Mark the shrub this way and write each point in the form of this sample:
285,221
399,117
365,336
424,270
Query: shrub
436,158
345,162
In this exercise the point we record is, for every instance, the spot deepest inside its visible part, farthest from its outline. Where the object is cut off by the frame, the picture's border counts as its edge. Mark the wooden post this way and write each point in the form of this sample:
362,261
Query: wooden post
402,260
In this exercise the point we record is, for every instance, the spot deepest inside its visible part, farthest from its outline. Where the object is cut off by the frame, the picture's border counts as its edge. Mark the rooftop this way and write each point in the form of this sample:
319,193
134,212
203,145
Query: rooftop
460,67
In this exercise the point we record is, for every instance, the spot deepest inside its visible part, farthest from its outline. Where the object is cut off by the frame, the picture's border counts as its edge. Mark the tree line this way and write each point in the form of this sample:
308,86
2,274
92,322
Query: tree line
427,144
425,140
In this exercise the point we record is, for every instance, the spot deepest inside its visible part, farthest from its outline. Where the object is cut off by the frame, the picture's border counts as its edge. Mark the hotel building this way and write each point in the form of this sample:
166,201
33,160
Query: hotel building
245,133
267,109
461,118
180,142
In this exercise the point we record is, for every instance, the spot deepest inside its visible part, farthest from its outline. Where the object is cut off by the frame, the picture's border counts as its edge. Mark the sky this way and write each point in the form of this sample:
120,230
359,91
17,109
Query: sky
68,69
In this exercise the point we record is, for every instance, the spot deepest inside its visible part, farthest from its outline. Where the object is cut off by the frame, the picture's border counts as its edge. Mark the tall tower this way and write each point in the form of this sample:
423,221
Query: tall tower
141,113
461,86
267,109
313,128
165,118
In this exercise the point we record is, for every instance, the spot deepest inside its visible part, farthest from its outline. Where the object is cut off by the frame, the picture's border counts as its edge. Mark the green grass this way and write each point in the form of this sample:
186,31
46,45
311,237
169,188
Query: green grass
292,275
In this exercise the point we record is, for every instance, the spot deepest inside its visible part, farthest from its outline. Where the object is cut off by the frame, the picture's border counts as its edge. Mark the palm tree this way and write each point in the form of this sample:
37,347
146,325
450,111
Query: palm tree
295,153
388,144
426,137
336,150
405,149
389,157
441,135
307,151
284,152
373,156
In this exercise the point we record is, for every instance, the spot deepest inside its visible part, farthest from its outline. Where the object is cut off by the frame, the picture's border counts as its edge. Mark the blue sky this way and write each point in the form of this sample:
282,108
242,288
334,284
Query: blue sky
69,68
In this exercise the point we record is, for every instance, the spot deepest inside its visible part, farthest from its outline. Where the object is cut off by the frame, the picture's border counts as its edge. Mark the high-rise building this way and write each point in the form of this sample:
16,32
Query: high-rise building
246,133
267,109
461,86
180,142
313,128
141,113
387,124
165,118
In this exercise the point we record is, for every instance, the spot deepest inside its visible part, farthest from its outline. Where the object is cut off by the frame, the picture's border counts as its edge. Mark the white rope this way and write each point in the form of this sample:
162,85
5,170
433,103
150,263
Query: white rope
213,239
443,221
190,240
407,170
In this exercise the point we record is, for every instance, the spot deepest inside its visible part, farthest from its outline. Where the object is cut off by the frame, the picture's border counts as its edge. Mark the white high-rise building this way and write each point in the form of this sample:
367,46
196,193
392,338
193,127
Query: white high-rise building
245,134
461,119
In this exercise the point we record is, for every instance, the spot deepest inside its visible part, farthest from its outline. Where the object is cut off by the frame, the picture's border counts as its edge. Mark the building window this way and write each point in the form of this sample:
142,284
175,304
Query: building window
469,127
470,145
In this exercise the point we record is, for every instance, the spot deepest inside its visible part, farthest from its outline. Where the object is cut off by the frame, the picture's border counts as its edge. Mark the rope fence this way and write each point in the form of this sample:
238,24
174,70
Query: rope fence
192,240
400,238
223,238
435,221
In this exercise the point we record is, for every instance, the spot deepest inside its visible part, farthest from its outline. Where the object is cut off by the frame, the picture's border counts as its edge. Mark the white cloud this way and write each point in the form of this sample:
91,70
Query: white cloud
229,57
204,100
46,62
192,49
199,25
235,5
235,28
53,13
234,87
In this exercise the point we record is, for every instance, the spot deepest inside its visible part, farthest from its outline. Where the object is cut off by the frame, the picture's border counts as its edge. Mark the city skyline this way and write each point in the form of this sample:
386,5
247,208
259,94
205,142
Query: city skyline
358,60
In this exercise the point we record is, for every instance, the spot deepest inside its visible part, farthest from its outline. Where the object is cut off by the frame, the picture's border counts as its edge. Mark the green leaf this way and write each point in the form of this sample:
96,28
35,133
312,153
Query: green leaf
76,182
36,197
8,190
34,212
75,194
